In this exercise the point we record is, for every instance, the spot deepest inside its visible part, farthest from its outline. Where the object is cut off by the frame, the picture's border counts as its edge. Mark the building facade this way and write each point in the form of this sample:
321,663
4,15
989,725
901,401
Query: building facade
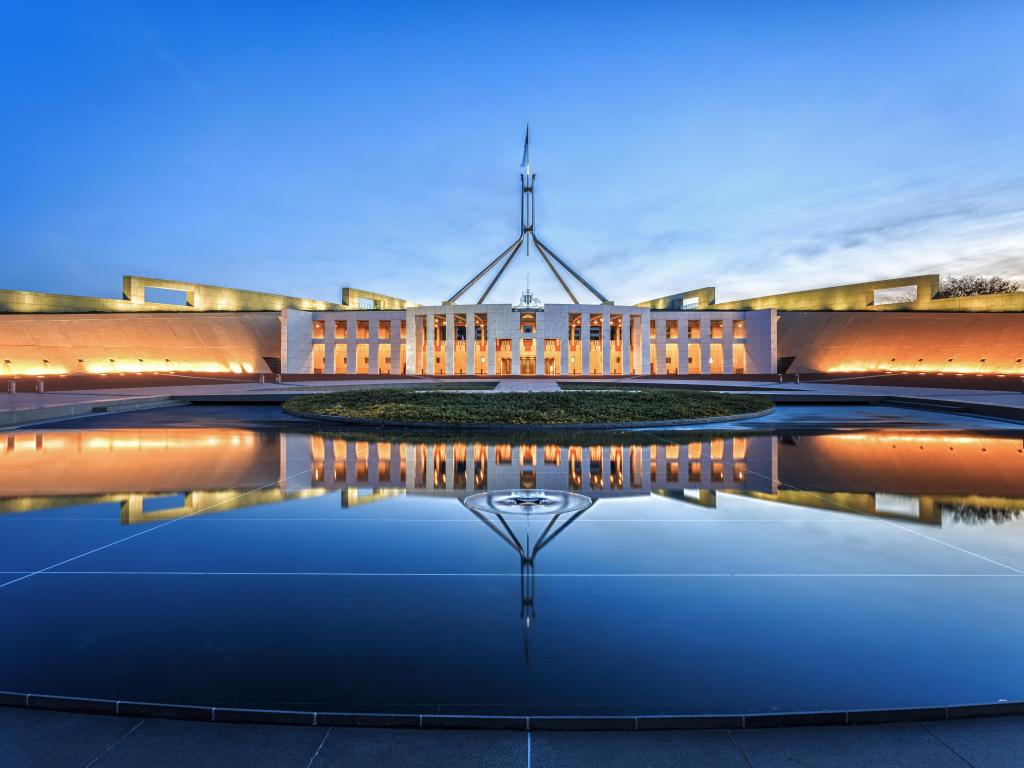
899,324
505,340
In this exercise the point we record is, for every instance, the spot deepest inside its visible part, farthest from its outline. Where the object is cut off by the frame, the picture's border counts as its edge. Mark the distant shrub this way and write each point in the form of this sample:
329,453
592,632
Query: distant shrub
384,405
974,285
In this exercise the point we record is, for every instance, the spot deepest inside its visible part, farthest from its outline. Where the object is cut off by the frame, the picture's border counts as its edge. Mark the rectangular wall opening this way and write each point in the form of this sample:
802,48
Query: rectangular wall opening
341,358
693,359
715,363
739,358
503,357
165,296
552,357
671,358
898,295
527,357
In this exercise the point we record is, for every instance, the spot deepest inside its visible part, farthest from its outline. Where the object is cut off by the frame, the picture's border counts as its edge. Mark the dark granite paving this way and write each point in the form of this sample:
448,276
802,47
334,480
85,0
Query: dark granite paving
41,739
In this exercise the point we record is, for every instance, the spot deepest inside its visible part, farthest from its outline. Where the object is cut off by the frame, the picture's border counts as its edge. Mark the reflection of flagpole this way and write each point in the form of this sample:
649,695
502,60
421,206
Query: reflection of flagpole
527,558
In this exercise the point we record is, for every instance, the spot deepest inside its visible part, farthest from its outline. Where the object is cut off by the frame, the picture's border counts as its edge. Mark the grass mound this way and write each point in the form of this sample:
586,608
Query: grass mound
403,405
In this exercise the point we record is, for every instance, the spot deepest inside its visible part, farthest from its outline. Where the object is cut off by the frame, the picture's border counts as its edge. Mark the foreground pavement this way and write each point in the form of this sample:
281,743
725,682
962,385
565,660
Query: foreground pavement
41,739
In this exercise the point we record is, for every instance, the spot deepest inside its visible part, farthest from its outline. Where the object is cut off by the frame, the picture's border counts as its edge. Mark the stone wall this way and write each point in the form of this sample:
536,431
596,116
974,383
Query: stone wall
948,342
41,344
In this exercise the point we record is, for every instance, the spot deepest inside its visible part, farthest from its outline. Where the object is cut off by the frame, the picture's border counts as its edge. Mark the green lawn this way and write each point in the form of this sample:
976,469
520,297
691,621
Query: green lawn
404,405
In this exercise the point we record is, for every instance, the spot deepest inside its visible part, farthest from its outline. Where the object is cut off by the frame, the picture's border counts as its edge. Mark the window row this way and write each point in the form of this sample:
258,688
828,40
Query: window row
716,329
361,328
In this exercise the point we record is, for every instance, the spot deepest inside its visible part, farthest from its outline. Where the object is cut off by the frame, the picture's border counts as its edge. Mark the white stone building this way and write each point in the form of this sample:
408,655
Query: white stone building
505,340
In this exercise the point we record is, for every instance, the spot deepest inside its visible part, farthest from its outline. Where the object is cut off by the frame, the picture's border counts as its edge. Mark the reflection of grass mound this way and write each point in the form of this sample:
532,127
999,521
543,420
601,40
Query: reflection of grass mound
397,405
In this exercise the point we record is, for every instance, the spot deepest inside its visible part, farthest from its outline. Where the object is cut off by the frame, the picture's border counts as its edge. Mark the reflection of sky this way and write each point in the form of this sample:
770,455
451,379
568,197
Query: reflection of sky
753,149
642,605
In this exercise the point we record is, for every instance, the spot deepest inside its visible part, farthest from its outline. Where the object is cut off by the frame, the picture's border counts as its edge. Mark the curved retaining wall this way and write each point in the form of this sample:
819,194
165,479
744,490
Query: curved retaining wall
618,425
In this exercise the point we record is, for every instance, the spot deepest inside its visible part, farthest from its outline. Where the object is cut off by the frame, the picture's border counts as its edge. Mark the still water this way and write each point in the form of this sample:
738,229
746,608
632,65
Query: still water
234,562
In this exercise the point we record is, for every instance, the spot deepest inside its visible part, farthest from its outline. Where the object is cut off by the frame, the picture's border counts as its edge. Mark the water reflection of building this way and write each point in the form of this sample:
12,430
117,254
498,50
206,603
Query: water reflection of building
163,473
458,469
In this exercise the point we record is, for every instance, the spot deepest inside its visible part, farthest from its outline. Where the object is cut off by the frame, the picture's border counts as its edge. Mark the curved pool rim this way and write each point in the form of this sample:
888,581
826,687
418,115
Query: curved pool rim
171,711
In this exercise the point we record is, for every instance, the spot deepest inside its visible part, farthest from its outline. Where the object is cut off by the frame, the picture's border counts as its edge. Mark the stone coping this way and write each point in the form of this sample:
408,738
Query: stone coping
616,425
506,722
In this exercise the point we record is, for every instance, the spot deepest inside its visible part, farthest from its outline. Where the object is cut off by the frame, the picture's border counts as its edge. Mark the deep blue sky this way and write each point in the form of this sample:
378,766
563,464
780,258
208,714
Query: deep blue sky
299,146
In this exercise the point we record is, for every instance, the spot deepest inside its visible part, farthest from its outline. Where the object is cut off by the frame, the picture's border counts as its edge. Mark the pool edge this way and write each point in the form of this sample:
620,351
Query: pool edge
752,720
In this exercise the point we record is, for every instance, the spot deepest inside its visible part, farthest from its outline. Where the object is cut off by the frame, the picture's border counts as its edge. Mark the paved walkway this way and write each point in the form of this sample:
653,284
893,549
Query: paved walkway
26,408
527,385
40,739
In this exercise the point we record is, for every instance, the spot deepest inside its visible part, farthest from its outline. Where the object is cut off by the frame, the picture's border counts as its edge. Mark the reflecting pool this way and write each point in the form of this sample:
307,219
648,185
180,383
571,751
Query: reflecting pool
235,562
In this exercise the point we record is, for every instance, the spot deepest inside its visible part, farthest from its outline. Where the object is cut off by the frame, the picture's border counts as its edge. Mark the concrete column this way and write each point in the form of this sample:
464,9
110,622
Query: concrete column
644,344
470,344
627,344
659,346
606,343
296,341
353,358
516,338
491,355
727,345
705,343
410,341
564,338
329,345
428,358
449,345
585,345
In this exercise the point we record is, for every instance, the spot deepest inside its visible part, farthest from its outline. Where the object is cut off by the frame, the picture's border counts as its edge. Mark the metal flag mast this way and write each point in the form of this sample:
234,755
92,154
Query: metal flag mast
527,235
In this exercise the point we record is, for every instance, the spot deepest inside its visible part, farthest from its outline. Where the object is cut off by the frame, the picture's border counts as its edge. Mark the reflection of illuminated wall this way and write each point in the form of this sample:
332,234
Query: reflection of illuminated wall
948,342
910,463
144,460
157,474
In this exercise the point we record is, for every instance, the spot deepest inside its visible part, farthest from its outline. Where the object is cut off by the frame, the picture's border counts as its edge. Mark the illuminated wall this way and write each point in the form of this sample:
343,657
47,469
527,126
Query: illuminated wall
34,345
946,342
